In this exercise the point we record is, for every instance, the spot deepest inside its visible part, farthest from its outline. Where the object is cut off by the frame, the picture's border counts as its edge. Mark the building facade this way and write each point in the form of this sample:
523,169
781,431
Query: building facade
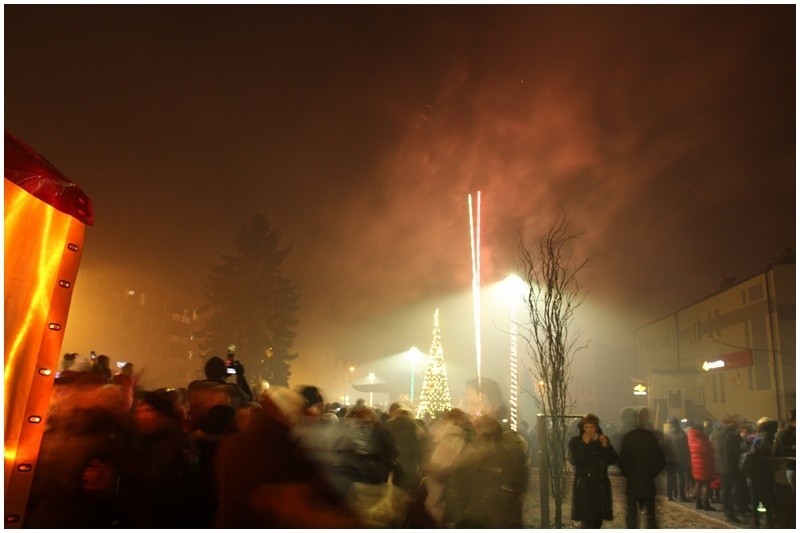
732,352
133,319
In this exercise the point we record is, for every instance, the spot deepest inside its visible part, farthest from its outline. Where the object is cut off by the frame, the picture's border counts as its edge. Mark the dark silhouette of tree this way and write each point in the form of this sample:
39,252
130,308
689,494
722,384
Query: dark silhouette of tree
251,304
553,296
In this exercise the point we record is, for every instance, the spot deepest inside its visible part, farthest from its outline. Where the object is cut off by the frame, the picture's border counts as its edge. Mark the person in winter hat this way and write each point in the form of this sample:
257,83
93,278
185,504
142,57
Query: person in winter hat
590,453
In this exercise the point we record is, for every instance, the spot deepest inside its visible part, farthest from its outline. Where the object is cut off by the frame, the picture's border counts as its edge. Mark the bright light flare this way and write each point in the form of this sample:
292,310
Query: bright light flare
415,355
512,289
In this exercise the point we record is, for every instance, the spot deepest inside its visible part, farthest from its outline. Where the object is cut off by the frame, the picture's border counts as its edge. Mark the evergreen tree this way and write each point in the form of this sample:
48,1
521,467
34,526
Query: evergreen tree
435,397
251,304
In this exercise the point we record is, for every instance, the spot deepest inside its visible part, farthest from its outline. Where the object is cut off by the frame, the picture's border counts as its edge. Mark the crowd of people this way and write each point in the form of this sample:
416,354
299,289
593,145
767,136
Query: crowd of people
748,469
216,454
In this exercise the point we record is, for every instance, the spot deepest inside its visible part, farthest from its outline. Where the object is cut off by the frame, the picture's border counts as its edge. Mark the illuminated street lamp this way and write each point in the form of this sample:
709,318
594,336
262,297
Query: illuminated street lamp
348,379
416,357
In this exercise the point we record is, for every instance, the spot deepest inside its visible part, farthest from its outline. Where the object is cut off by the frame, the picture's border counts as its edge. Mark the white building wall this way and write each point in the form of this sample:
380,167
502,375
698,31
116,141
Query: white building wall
749,327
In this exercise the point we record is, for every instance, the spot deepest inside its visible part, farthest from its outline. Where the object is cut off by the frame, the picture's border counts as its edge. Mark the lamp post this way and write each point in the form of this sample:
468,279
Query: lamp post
513,288
416,357
348,380
371,382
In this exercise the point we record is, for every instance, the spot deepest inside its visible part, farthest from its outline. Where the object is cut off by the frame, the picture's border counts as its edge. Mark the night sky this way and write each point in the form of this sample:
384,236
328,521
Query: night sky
665,133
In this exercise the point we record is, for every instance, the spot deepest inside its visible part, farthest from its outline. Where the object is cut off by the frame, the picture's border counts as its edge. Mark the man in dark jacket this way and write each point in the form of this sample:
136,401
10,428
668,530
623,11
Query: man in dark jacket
205,393
728,447
676,449
410,441
760,473
628,418
641,459
785,447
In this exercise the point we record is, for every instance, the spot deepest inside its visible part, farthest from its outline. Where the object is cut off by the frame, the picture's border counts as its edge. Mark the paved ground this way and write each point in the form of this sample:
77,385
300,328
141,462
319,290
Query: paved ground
715,517
670,515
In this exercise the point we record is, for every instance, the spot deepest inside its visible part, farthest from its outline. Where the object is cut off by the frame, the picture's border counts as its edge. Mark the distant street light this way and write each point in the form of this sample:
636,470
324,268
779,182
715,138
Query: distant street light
347,381
371,382
343,378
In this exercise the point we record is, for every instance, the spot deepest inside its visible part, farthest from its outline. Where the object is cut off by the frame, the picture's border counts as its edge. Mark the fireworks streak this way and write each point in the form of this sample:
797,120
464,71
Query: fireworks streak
475,241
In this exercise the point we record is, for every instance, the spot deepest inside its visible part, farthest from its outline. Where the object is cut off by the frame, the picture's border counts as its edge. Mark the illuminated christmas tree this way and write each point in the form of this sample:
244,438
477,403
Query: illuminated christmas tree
435,396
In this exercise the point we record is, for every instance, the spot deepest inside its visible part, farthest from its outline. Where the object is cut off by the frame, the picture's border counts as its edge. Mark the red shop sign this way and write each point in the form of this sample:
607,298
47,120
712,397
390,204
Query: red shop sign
730,360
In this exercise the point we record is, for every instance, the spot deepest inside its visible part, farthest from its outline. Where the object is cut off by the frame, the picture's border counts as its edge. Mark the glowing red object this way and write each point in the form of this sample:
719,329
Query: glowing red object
32,172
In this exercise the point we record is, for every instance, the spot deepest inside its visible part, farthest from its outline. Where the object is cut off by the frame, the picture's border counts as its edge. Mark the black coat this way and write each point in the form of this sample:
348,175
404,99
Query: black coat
728,447
676,447
408,437
641,458
591,488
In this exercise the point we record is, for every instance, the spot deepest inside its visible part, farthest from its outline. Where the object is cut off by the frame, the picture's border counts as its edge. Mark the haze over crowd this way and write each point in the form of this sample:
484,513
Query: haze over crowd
665,133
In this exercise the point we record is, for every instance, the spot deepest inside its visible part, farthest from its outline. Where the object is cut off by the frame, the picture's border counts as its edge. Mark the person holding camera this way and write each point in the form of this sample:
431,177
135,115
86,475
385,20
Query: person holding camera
591,453
215,390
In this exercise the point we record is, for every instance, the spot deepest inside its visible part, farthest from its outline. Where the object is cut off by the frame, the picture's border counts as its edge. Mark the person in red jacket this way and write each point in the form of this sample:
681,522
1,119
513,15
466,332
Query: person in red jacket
701,454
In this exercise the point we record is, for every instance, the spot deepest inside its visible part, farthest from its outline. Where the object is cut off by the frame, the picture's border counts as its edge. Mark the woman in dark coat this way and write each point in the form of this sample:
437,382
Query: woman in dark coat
591,453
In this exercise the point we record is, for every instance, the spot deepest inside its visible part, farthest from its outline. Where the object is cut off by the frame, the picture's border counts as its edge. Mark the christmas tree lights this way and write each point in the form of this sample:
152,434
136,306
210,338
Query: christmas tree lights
435,397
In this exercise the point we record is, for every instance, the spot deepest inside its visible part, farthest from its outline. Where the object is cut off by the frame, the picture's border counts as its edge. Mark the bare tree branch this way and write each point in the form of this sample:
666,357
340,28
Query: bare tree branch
554,294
